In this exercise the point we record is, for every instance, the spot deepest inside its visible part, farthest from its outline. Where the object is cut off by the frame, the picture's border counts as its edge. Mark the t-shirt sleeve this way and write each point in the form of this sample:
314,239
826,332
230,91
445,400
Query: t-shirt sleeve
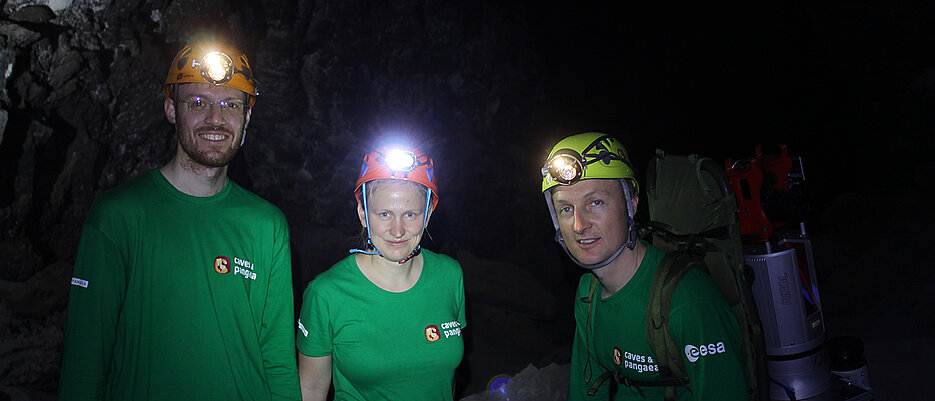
315,335
460,299
276,335
708,335
97,288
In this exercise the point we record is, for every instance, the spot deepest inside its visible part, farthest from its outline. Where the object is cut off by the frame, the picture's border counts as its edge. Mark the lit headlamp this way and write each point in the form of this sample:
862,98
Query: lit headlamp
401,160
215,67
566,167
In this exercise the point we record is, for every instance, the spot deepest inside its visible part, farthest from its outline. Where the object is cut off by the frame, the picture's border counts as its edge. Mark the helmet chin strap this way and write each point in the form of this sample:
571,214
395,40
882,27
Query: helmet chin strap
631,225
425,217
605,262
371,250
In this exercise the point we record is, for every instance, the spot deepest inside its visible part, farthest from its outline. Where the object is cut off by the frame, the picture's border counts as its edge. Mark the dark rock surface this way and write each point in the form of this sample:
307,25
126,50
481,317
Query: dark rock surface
486,87
550,383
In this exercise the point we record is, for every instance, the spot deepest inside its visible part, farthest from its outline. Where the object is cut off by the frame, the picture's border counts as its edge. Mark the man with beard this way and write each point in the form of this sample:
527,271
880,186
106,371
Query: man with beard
183,282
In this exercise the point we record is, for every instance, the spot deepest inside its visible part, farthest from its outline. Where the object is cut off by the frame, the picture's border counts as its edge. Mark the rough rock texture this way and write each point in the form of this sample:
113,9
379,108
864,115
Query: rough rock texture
81,111
550,383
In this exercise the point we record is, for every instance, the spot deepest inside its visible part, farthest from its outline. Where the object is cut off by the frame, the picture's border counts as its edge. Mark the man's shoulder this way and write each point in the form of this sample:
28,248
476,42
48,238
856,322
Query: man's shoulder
127,196
693,278
584,286
254,203
697,288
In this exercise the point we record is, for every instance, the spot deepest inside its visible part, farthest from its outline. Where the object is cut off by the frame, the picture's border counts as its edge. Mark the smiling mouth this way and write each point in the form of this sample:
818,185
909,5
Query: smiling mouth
213,137
587,241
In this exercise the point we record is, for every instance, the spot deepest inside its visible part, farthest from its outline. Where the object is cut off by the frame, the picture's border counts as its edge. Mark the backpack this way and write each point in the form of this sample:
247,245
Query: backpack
693,213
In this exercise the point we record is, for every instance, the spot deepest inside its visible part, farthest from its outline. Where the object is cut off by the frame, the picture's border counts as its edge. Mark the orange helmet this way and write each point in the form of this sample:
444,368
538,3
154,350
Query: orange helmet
407,164
217,64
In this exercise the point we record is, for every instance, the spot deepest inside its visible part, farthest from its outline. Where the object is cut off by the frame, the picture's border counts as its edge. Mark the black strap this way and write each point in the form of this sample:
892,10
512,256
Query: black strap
626,381
668,356
597,383
587,337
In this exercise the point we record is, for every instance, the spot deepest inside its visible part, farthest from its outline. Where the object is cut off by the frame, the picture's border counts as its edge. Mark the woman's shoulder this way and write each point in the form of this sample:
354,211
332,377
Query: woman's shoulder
438,257
341,271
441,263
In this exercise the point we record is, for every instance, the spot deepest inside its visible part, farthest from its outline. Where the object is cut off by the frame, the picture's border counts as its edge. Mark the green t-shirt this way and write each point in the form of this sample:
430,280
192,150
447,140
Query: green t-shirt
701,324
386,345
176,297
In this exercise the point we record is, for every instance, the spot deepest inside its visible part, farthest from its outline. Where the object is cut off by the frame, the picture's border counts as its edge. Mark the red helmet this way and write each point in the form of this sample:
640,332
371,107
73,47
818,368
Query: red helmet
398,163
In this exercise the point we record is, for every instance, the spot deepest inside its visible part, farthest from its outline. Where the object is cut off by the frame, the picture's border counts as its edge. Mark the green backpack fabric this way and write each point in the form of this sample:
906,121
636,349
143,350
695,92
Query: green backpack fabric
693,213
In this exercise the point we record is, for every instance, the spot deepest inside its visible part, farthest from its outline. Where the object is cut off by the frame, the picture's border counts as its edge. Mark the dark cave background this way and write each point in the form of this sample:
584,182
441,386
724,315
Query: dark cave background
486,87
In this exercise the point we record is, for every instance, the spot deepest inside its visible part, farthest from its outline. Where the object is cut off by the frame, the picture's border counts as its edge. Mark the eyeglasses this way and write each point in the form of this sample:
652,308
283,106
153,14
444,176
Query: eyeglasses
200,105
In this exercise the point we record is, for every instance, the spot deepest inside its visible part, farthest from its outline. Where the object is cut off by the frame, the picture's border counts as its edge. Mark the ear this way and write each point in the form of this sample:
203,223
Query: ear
428,216
361,214
246,122
169,106
634,203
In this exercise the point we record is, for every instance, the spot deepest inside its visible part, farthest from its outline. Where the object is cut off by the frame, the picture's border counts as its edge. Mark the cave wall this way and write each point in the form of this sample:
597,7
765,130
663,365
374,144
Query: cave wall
82,98
486,87
81,112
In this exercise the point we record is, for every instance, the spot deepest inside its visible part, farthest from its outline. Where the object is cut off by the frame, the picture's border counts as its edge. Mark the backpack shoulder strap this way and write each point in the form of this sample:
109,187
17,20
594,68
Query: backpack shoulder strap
668,358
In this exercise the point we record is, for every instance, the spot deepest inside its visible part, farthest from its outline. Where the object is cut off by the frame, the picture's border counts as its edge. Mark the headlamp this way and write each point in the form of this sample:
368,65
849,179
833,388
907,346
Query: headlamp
215,67
401,160
566,167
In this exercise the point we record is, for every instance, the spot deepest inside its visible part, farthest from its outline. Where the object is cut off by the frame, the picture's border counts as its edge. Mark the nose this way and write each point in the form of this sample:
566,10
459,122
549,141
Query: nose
581,222
213,115
396,229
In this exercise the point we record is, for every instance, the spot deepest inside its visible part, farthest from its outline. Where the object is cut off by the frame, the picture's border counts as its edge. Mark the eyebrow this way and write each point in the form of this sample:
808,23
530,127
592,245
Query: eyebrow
595,192
390,210
587,195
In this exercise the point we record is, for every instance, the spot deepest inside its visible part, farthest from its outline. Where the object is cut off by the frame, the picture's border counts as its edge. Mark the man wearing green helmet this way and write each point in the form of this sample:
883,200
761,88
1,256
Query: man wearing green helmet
592,193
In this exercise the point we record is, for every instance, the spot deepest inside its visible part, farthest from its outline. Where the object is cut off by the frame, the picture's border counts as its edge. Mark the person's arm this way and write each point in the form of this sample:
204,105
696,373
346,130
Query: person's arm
314,337
460,300
314,376
277,338
96,295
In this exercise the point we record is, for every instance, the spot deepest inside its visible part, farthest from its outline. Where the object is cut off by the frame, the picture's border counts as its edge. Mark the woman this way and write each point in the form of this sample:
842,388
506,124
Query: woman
385,323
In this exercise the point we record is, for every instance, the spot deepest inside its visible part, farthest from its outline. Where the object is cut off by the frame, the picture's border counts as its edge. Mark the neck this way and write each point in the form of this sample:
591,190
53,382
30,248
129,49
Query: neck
389,275
192,178
618,273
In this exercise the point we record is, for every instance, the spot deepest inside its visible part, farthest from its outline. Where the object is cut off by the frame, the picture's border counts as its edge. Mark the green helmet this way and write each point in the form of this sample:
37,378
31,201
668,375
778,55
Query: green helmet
587,156
590,155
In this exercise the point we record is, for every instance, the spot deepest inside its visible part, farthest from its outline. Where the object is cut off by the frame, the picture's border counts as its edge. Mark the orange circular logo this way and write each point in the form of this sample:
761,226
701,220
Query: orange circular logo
431,333
618,356
222,264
